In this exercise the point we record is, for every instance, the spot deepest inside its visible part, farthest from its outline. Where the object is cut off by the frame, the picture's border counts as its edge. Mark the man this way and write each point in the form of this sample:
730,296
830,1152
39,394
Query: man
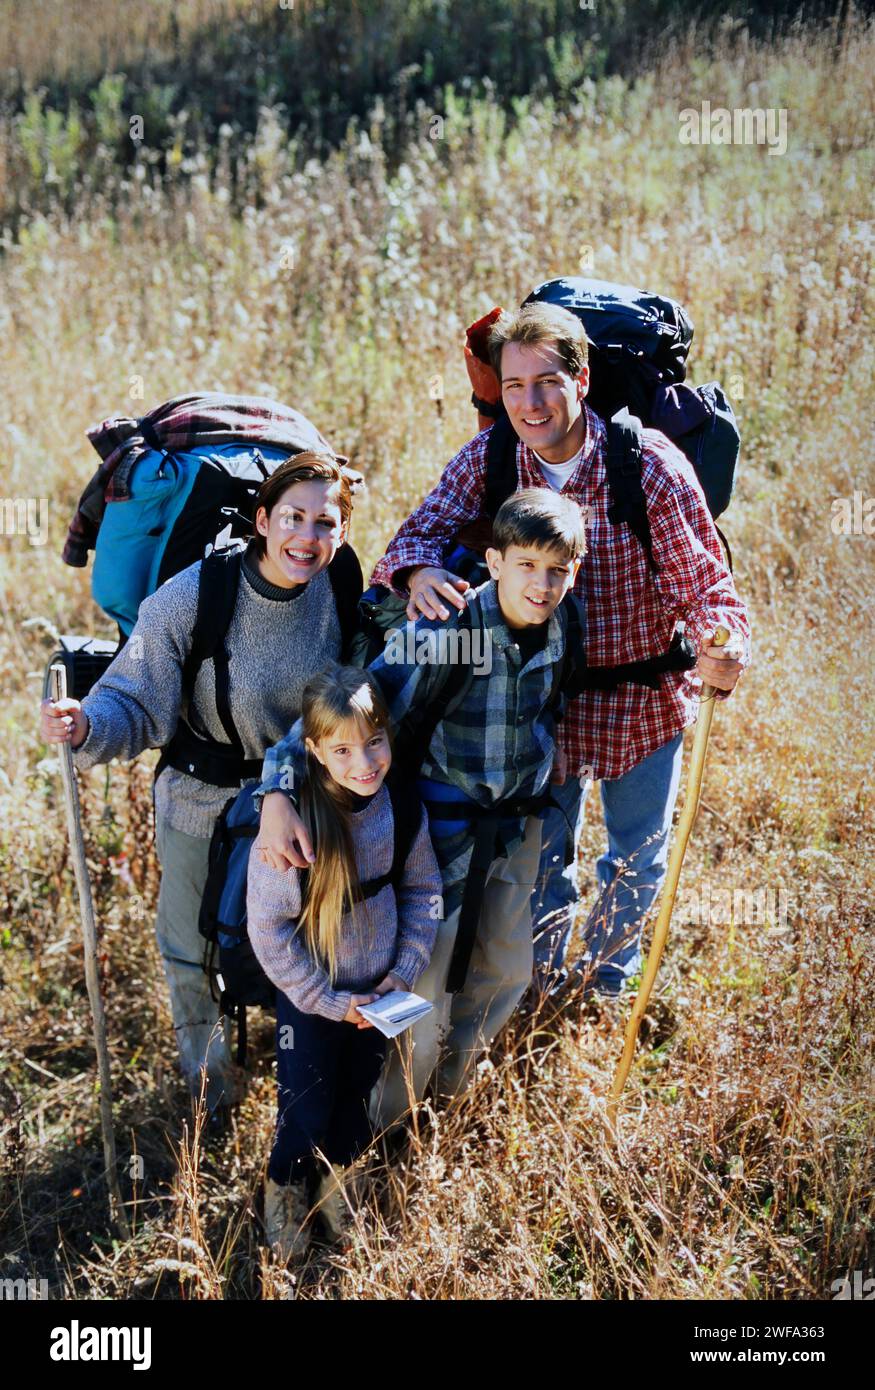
630,739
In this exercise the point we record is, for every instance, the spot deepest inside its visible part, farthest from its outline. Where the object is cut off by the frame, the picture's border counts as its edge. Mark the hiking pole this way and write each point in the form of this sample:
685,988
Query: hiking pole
672,877
92,980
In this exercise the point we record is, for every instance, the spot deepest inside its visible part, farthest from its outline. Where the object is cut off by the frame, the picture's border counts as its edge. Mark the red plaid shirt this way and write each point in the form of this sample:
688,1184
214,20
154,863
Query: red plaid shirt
631,613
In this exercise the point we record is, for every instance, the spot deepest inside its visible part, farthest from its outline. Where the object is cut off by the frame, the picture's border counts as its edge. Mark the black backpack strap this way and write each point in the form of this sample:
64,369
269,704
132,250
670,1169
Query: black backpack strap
574,657
501,469
218,583
347,586
491,409
453,683
216,599
726,546
628,503
575,676
448,692
486,826
147,430
406,818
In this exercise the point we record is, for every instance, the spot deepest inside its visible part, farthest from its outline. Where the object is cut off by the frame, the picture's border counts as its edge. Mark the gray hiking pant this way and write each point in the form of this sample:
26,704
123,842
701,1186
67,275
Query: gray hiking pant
466,1023
203,1040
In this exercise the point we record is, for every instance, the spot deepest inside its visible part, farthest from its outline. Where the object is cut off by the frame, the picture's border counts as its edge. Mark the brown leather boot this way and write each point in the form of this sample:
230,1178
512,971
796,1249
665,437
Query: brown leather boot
335,1195
287,1218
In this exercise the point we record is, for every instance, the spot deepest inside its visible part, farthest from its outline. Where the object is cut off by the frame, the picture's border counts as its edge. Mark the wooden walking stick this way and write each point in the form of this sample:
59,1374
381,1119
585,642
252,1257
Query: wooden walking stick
92,980
669,891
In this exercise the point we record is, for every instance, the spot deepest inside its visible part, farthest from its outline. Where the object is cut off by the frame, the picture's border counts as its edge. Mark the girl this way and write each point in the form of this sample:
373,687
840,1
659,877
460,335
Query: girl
332,938
284,627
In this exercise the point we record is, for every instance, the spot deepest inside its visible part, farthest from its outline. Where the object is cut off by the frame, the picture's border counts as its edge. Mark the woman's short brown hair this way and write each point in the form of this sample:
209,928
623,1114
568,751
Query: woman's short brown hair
541,323
305,467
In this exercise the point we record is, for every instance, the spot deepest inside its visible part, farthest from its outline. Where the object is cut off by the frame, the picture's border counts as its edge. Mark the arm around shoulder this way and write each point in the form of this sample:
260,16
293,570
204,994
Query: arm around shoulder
424,537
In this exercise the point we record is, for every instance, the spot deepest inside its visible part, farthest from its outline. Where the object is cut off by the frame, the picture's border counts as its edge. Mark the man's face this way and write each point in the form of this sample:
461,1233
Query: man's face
543,401
531,582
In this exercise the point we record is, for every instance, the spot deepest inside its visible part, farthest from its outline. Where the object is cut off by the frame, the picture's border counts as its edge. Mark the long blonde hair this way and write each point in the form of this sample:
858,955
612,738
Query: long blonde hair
338,695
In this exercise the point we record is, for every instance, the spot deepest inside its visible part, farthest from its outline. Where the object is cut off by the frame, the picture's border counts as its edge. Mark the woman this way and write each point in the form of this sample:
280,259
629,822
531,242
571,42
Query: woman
284,629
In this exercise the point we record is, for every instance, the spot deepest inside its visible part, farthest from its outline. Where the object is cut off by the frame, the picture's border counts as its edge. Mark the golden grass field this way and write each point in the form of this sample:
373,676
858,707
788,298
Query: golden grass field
744,1163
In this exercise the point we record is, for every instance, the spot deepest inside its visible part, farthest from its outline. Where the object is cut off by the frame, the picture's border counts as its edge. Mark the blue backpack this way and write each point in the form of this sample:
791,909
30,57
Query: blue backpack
166,524
238,979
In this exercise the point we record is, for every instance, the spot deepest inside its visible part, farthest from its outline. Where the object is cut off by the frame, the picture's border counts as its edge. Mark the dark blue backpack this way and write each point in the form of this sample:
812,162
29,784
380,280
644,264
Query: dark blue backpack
238,979
638,347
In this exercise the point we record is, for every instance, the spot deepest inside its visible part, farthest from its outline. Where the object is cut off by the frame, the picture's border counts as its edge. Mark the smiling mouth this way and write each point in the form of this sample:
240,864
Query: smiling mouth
300,557
536,423
371,778
538,602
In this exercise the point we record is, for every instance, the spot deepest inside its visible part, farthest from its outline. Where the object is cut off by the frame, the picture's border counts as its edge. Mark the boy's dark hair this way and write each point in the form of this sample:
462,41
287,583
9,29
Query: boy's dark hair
541,323
539,517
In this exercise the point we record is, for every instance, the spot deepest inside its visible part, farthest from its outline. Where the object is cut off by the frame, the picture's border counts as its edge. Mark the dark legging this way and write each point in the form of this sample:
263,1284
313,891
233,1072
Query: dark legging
325,1073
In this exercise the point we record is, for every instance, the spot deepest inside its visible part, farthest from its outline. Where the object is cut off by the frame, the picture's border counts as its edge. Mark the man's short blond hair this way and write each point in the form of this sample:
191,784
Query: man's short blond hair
541,323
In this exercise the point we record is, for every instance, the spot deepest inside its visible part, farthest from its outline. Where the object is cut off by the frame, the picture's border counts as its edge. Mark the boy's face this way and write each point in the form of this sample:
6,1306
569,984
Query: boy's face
531,582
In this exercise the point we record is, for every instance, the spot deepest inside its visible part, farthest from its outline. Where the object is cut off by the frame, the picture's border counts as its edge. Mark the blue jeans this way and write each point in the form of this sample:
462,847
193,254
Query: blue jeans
638,811
325,1073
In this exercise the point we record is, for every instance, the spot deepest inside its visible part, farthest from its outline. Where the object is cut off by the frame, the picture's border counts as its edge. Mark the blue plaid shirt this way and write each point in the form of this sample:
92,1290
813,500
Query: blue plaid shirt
499,743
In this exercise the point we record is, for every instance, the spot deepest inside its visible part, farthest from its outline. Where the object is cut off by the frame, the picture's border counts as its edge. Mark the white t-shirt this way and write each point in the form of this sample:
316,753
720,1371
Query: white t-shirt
557,474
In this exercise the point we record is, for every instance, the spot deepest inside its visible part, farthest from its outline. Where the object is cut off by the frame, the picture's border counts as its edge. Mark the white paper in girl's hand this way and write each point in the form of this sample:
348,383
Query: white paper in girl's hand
395,1011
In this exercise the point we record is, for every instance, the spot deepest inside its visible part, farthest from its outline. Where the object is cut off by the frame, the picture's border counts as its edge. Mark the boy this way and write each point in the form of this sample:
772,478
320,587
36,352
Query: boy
486,767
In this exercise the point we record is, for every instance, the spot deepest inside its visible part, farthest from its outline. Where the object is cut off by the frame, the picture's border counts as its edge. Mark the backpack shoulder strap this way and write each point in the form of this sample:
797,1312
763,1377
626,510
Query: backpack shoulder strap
501,469
216,598
406,817
628,503
452,685
456,677
347,586
574,657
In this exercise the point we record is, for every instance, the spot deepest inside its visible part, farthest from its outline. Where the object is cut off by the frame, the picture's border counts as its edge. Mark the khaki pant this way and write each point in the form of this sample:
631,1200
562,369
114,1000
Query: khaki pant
201,1038
465,1024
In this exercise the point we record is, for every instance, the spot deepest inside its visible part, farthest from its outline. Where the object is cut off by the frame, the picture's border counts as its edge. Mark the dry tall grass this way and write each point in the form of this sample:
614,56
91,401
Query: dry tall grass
746,1157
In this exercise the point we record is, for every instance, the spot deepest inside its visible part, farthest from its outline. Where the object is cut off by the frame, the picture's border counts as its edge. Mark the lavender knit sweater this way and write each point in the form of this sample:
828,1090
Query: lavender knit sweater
396,935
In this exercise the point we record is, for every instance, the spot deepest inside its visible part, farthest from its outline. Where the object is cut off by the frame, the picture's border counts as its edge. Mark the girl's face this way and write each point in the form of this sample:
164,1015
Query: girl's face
301,534
355,756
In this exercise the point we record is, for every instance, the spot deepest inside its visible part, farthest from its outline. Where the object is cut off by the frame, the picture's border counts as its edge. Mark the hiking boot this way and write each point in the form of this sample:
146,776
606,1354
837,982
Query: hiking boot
286,1218
335,1192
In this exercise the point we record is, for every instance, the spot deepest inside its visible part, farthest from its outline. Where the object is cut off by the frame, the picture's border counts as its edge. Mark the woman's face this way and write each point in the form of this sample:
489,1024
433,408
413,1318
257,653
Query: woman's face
301,534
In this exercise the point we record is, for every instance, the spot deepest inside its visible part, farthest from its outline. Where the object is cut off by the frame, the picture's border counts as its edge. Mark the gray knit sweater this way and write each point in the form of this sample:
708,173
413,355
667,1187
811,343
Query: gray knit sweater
395,935
277,639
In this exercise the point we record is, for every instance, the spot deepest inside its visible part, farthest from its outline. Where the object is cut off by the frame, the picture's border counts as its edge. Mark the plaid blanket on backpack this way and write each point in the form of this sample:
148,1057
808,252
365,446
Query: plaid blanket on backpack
183,423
